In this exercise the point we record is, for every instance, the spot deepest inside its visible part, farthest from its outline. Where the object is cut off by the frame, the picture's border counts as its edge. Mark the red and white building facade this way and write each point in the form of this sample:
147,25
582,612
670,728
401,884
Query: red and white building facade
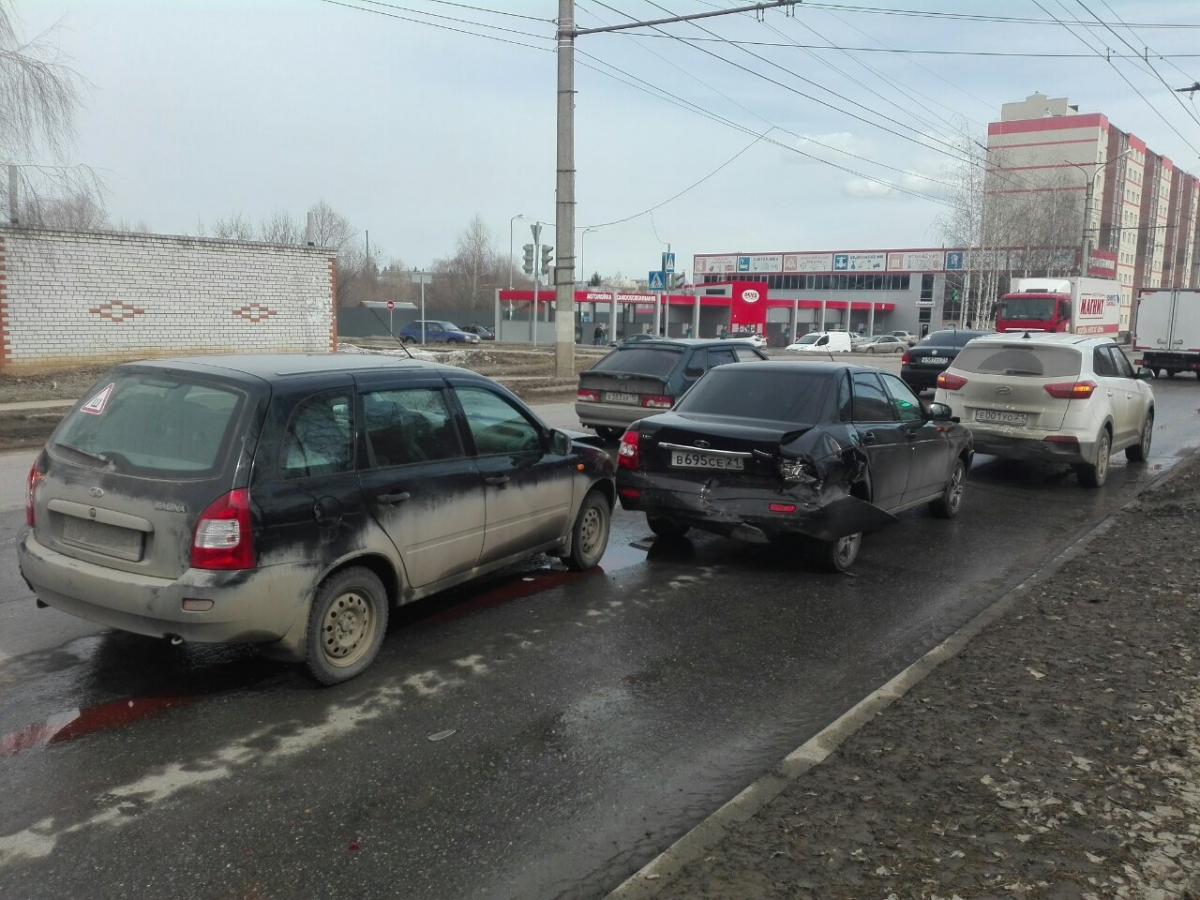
1143,210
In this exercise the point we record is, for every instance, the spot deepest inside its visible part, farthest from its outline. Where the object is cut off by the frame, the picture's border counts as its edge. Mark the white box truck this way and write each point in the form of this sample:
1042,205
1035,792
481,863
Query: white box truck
1166,334
1086,306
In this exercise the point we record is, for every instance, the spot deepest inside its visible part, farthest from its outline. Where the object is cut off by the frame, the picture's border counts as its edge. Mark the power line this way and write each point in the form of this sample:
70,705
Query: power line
482,9
490,37
974,17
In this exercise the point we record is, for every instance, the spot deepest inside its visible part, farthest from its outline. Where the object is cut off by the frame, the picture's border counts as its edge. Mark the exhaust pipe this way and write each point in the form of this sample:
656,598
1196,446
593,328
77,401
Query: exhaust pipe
175,639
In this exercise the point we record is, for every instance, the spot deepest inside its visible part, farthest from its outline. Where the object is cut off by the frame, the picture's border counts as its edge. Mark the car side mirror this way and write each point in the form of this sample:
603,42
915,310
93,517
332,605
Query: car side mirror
560,443
1144,375
940,412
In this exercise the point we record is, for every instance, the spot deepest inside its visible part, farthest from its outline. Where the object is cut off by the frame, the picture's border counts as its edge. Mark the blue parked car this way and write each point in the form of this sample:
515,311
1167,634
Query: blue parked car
436,332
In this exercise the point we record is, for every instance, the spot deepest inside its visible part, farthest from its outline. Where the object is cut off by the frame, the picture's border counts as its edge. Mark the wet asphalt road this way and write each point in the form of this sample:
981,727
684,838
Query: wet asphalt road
540,735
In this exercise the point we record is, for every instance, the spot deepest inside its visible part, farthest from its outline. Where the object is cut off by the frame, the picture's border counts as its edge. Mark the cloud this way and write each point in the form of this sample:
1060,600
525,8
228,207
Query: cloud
832,147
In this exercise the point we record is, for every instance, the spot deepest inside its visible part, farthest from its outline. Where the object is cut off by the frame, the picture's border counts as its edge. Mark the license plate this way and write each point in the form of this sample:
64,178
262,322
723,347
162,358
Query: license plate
683,460
936,360
111,540
1001,417
618,397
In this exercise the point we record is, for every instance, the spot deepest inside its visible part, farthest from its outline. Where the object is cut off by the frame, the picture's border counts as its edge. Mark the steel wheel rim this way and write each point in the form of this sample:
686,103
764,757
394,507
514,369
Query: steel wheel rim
347,630
1147,435
591,530
1102,458
956,488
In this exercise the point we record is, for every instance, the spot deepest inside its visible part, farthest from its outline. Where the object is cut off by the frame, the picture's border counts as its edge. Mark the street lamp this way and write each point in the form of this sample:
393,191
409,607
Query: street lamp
510,247
1085,250
582,271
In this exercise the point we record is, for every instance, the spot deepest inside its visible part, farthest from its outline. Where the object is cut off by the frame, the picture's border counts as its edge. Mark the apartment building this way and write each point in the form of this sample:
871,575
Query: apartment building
1059,172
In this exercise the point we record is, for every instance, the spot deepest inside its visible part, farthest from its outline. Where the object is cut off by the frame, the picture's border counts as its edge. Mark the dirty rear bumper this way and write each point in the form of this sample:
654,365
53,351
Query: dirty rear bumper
261,606
743,511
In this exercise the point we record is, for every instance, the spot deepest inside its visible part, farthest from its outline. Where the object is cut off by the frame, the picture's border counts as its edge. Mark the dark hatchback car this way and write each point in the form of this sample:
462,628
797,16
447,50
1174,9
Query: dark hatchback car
929,357
823,450
290,501
641,379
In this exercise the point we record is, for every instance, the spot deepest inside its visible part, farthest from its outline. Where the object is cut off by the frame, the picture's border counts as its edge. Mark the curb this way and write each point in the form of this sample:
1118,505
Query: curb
697,843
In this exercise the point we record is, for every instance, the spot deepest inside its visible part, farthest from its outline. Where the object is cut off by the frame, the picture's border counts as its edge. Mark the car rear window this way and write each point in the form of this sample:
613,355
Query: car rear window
1017,360
780,396
656,361
951,338
152,425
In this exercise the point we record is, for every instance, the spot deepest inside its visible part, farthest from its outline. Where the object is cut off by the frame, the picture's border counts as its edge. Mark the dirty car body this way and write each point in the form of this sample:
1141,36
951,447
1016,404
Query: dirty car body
222,499
763,450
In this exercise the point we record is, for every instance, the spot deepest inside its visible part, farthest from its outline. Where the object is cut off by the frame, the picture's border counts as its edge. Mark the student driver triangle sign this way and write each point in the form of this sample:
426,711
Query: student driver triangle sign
96,405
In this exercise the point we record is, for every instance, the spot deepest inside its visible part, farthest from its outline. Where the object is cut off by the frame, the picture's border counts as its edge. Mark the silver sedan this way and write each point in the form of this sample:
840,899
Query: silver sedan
883,343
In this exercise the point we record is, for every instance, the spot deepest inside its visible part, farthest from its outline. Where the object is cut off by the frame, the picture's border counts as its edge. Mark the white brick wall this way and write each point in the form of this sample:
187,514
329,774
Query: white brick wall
78,297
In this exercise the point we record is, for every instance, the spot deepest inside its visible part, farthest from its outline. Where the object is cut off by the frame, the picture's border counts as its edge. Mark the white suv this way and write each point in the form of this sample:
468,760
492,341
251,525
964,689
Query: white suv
1051,397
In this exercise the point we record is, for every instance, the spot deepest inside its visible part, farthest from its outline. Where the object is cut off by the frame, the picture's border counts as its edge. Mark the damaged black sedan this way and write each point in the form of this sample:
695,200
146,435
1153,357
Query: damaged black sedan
820,450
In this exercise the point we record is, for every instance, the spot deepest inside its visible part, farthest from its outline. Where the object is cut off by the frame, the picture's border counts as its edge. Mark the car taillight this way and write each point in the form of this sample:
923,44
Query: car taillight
37,472
629,455
1071,390
905,359
658,401
950,381
585,396
222,538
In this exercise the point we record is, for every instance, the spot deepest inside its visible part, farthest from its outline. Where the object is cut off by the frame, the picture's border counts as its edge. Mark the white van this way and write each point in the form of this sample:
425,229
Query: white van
822,342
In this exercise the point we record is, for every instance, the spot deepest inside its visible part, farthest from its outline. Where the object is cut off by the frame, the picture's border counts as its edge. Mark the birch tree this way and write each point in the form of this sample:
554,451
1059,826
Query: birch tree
39,98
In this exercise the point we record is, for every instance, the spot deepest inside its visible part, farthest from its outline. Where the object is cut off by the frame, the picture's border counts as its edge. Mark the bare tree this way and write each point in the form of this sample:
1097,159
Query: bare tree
235,228
76,212
281,228
330,228
39,97
466,278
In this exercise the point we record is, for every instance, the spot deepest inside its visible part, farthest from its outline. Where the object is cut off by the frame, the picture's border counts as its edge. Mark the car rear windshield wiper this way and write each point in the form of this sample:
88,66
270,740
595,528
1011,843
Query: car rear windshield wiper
1021,372
98,457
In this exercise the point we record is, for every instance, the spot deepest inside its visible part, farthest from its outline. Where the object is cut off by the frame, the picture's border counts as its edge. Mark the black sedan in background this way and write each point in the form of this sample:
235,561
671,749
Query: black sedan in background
823,450
922,363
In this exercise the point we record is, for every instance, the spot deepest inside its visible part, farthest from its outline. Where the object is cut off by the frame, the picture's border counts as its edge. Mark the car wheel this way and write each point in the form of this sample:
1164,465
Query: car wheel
1140,452
608,433
346,625
871,350
947,505
589,534
666,528
839,555
1094,476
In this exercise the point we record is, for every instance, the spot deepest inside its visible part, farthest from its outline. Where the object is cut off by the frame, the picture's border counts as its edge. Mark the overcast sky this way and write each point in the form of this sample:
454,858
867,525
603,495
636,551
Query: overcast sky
203,108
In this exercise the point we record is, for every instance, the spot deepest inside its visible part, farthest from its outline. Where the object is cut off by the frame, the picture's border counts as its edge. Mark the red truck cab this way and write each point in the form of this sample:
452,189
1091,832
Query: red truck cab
1035,311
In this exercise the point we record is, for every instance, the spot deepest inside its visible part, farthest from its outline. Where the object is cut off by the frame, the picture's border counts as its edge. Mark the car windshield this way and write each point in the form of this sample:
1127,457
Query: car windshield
809,339
795,397
1019,361
1036,308
657,361
153,425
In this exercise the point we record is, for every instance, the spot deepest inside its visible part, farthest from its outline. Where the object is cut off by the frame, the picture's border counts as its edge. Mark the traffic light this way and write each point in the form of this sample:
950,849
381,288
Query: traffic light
547,255
528,264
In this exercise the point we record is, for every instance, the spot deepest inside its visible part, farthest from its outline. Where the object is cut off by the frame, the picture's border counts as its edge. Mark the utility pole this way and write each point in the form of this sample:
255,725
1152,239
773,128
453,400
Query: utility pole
564,267
564,215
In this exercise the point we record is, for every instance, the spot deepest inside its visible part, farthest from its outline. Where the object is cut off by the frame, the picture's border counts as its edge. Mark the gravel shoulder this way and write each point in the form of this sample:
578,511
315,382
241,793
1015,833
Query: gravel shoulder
1056,756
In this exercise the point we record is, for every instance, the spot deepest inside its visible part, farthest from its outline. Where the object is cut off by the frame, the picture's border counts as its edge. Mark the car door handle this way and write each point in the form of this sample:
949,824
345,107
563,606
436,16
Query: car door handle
394,498
497,479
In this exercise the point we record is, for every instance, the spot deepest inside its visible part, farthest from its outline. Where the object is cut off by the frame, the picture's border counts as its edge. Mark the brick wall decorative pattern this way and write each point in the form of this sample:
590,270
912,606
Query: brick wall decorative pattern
81,297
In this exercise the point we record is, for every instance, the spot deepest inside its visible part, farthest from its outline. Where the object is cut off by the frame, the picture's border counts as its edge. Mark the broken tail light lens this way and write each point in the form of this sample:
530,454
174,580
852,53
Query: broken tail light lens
222,538
629,454
950,381
1071,390
585,396
797,471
